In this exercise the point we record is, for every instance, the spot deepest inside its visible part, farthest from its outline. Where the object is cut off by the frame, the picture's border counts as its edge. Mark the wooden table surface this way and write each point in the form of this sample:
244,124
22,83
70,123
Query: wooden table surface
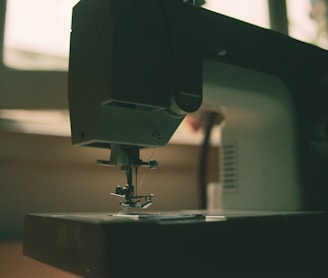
13,264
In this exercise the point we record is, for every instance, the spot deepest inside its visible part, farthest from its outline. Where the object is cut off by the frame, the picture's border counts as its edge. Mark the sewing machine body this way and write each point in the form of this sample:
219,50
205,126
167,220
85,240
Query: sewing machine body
170,57
260,164
132,82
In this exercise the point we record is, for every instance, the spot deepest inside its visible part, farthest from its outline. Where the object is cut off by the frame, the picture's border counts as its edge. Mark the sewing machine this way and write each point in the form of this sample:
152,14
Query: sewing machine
136,69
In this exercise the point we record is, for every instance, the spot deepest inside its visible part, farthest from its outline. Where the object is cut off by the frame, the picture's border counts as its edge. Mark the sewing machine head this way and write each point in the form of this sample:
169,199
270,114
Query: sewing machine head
137,67
129,87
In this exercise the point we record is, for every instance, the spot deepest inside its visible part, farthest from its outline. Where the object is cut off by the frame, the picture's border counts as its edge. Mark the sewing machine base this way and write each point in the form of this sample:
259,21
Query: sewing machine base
224,244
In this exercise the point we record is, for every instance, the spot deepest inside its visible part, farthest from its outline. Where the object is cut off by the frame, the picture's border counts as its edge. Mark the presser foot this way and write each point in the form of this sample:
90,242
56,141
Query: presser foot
132,201
135,201
129,160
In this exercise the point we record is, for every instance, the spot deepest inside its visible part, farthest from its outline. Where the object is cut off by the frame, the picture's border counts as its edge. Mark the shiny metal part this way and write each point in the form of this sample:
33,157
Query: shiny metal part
129,160
135,201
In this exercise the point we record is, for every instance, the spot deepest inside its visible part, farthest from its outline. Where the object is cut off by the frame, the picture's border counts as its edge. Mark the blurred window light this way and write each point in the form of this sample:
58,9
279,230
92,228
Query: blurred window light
252,11
46,122
37,34
308,21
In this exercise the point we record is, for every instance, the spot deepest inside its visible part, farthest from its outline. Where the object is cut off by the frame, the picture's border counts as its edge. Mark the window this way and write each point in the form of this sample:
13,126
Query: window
37,34
308,21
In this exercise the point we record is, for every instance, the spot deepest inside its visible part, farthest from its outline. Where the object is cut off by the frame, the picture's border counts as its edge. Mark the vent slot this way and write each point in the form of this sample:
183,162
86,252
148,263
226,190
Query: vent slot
229,166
